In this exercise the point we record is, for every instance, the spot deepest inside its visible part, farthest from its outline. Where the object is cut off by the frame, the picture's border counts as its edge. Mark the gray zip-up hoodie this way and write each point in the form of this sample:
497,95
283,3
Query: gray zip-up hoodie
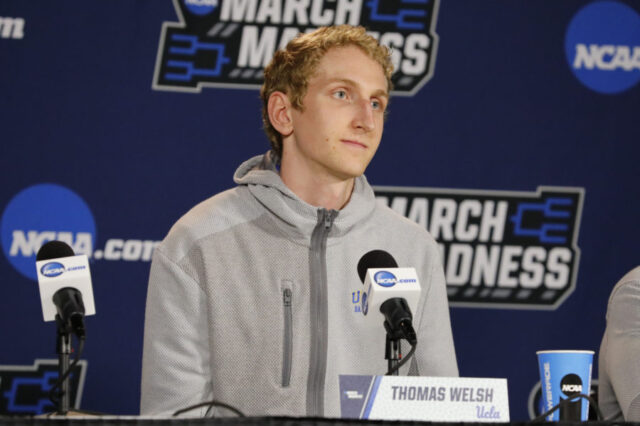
253,300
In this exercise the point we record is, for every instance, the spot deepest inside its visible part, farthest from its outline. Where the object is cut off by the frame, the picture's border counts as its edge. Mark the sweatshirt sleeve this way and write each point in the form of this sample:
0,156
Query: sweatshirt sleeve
622,346
175,360
435,353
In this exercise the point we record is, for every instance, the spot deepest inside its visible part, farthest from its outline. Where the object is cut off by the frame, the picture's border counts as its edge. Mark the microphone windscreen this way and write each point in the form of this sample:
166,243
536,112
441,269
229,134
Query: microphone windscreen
54,250
375,259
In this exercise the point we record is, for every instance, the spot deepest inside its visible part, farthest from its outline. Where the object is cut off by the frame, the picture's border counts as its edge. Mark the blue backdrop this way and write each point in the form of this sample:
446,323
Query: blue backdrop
112,127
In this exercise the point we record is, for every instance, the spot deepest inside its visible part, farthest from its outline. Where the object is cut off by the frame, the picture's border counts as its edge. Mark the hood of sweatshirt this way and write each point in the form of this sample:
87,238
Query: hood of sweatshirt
260,174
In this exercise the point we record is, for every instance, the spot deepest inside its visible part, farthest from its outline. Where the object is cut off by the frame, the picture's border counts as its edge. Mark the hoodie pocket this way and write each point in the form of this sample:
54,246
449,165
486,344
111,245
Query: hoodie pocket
287,337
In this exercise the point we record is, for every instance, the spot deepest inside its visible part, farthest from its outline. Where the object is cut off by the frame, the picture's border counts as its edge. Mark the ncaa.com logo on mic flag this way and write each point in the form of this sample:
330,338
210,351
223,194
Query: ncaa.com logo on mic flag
500,249
47,212
227,43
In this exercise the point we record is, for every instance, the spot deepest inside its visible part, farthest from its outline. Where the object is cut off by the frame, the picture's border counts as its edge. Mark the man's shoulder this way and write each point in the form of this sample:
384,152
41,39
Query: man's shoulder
402,226
216,214
624,295
629,282
411,244
632,276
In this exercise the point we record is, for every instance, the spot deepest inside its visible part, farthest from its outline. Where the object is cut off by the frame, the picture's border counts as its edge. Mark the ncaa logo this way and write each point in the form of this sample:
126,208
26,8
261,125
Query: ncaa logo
201,7
52,269
602,46
385,279
571,385
536,406
42,213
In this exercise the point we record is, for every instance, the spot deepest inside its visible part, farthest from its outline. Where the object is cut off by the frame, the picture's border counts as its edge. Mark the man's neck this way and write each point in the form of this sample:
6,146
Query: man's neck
317,189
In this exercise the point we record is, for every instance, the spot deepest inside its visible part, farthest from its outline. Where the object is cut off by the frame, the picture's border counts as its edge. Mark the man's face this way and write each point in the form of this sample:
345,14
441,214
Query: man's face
340,127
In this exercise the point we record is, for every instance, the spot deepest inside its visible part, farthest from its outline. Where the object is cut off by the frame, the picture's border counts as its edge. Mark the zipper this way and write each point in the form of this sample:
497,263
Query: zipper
318,312
287,338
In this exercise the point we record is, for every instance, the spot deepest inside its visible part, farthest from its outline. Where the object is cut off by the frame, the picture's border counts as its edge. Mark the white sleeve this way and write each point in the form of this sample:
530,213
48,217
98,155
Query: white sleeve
623,348
175,360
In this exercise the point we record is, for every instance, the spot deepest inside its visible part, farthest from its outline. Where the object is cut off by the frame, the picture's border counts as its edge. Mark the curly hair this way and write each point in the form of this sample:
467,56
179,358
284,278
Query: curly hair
291,68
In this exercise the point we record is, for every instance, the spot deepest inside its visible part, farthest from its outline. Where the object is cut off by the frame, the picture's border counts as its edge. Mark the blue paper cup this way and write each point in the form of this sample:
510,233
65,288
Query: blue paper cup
564,374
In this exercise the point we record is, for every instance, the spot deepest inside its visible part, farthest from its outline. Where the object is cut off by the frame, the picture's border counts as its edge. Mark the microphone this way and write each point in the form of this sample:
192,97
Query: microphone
65,285
375,259
391,290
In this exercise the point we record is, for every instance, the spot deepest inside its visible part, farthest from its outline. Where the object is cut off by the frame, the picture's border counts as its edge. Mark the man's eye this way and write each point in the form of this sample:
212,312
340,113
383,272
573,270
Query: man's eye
340,94
376,104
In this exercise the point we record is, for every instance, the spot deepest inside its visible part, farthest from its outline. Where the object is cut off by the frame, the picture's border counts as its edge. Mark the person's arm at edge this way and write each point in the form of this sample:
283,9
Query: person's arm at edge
623,347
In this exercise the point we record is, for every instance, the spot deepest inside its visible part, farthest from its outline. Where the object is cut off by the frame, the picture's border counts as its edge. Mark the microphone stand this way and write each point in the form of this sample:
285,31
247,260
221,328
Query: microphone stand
63,348
393,348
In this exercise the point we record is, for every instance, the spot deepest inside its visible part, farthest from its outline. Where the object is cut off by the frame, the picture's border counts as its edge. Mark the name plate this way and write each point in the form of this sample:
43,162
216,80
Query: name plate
458,399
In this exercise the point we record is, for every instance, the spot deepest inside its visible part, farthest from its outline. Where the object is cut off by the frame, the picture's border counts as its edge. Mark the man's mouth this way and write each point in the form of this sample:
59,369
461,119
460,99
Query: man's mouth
353,143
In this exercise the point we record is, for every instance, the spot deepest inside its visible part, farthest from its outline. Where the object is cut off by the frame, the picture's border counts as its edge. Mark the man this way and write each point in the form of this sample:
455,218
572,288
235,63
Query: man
618,360
252,295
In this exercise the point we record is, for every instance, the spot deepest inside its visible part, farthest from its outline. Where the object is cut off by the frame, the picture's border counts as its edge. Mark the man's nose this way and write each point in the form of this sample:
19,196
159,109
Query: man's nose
364,116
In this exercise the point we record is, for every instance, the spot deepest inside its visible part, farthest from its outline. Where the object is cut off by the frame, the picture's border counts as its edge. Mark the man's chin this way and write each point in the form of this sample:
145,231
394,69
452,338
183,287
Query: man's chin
350,174
347,170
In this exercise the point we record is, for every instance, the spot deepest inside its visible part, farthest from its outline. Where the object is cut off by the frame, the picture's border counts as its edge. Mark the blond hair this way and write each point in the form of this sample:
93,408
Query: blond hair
291,68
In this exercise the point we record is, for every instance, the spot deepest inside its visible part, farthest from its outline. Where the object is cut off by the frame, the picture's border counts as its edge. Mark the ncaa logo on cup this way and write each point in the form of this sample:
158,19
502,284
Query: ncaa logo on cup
385,279
571,384
602,46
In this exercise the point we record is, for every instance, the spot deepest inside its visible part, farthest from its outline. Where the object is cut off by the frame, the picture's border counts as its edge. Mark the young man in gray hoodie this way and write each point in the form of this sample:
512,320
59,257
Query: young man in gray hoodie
253,295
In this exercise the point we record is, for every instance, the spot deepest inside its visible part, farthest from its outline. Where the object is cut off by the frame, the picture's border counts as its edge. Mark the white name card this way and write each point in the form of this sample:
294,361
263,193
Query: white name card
455,399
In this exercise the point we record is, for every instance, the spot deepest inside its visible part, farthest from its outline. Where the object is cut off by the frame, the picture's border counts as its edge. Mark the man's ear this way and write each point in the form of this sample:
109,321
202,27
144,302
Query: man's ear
279,109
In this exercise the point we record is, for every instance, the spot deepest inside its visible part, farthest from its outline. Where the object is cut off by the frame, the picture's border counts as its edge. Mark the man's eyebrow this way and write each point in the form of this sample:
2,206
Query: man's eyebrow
353,83
381,93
